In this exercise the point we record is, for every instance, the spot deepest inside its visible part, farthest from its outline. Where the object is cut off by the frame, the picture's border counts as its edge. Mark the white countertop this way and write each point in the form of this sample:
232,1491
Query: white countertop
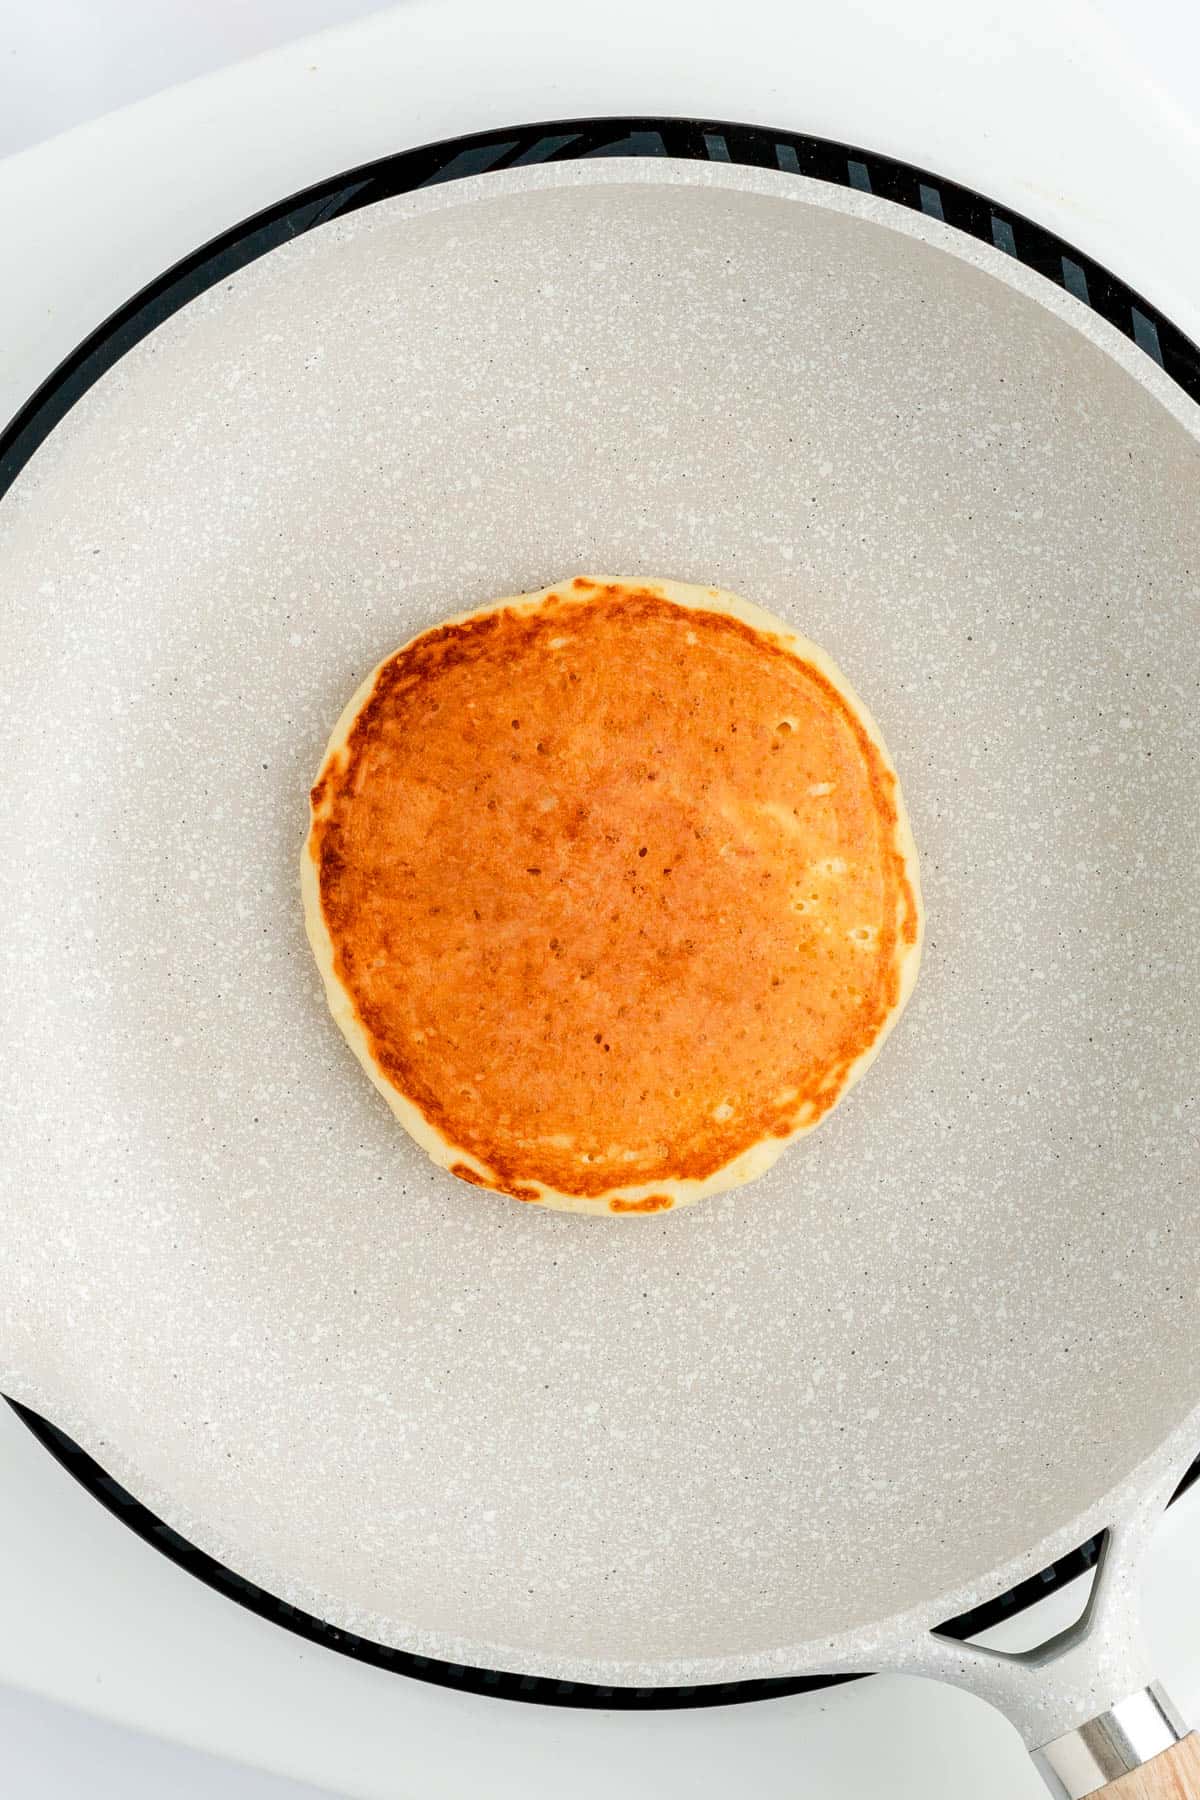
1085,116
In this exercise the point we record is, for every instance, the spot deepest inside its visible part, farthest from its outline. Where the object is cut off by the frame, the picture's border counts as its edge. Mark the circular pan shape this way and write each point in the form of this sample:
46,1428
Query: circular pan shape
1164,341
616,952
506,1684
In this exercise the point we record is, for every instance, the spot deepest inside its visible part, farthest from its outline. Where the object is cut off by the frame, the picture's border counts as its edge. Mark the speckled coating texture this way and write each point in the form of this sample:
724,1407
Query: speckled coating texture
915,1359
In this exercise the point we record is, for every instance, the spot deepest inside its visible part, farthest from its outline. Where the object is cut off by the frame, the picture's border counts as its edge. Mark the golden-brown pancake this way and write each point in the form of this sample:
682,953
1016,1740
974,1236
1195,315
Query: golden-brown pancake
612,890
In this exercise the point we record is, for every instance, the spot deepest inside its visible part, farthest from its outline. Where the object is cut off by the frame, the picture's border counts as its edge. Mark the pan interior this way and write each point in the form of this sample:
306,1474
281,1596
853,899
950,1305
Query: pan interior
944,1325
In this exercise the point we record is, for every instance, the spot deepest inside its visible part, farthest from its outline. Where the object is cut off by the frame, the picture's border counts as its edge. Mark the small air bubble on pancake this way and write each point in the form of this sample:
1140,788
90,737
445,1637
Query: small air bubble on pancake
786,725
820,788
722,1112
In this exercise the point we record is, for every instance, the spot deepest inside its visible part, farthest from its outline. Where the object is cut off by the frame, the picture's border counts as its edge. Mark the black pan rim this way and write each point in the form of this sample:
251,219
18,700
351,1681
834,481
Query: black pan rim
690,138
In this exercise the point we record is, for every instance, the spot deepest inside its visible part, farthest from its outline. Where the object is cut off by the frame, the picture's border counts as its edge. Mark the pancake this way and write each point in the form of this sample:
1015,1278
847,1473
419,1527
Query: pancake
612,891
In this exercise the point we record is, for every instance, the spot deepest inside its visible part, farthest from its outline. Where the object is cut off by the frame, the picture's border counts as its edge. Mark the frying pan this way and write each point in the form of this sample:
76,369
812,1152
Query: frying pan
951,1335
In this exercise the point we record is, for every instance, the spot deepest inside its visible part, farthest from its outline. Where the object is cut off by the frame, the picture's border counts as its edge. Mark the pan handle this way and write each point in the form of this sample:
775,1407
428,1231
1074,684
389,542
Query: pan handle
1172,1775
1135,1747
1139,1749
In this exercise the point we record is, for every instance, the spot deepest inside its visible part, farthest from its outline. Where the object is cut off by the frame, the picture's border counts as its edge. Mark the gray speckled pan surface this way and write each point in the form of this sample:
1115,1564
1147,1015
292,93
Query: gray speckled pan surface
781,1430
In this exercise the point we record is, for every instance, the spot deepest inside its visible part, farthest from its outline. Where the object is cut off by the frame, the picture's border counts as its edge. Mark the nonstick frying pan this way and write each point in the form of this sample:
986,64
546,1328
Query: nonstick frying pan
951,1335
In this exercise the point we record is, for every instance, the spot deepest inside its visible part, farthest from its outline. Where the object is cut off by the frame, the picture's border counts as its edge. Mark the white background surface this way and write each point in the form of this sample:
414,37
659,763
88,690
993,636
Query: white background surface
1085,115
66,61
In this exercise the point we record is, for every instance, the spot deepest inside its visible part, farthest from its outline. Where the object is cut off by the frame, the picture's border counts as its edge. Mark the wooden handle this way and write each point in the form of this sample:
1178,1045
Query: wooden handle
1175,1775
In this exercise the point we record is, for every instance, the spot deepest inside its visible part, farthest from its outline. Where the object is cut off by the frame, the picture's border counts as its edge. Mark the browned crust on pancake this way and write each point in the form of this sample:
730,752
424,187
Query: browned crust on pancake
650,1204
465,1172
435,824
